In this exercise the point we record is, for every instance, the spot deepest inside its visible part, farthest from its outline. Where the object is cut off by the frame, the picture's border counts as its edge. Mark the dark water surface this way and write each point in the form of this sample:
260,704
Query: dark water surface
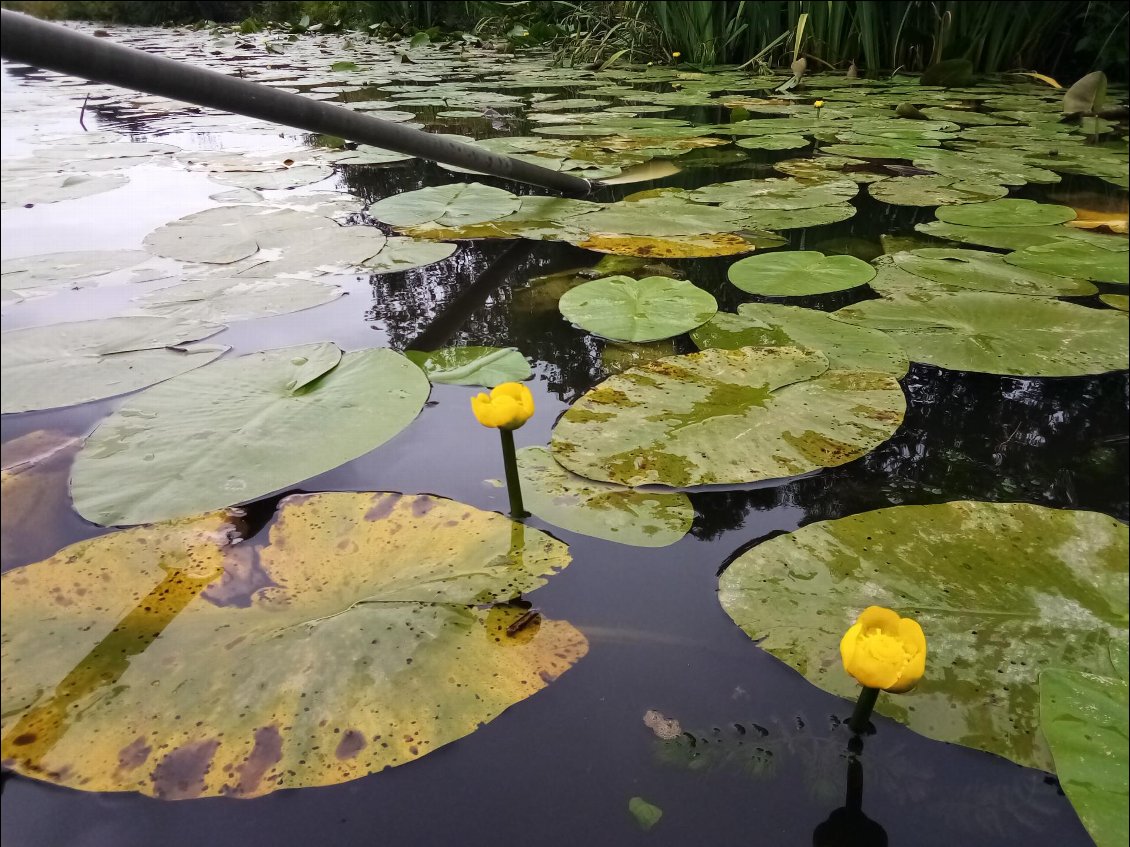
764,759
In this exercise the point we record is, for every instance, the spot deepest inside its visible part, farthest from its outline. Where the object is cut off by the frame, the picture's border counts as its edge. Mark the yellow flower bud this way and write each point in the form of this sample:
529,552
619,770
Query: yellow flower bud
676,55
819,104
508,407
882,650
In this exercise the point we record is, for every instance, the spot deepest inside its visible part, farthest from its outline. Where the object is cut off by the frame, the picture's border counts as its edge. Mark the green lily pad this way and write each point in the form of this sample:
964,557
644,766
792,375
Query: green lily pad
273,241
45,367
847,347
727,416
625,309
222,299
932,191
777,219
406,254
452,205
171,661
980,271
1116,301
65,268
1008,212
252,425
485,366
598,509
660,217
1084,720
1002,591
278,179
797,273
645,814
773,142
755,195
17,191
1019,237
999,333
1074,259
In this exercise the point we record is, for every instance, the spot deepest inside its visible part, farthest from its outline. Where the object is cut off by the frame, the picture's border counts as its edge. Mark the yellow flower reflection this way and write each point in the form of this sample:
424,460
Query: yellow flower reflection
508,407
882,650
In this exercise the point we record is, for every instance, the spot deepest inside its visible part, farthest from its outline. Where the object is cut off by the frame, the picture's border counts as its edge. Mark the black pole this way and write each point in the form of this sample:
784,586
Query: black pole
29,41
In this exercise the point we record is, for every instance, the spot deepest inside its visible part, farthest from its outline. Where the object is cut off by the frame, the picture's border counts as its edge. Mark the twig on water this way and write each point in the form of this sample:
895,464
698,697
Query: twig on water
82,114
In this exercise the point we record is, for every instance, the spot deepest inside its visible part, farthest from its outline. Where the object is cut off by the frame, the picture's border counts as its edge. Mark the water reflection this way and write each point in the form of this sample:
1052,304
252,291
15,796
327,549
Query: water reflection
848,826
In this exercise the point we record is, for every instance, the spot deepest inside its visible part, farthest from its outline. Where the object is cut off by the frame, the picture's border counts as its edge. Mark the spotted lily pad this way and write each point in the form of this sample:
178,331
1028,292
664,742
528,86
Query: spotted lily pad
1002,590
847,347
981,271
1084,720
598,509
795,273
45,367
625,309
1008,212
452,205
253,425
1074,259
175,661
999,333
485,366
727,416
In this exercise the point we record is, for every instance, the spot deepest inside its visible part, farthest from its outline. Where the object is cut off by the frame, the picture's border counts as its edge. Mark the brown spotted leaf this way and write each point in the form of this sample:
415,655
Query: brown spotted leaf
366,631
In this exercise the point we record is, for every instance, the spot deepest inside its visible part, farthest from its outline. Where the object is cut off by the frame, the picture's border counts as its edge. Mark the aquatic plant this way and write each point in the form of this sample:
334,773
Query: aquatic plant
883,652
506,408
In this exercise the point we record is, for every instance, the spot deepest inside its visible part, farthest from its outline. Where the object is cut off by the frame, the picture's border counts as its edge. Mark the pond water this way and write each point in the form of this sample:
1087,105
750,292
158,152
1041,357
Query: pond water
763,757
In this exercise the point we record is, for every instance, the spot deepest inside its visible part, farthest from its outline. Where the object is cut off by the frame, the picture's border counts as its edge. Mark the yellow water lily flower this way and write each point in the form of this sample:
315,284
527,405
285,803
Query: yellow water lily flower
882,650
819,104
676,55
508,407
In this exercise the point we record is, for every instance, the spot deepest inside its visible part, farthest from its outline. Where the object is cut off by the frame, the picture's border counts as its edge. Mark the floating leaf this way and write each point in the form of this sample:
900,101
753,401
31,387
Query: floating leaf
16,191
406,254
645,814
1084,720
34,492
1008,212
598,509
170,661
774,142
45,367
485,366
661,217
452,205
221,299
727,416
1002,590
1073,259
932,191
776,219
677,246
846,346
981,271
627,309
797,273
245,428
999,333
1086,96
65,268
1019,237
1116,301
281,178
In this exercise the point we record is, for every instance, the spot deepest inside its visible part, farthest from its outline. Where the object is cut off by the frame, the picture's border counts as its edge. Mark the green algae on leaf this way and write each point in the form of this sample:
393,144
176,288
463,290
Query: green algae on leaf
45,367
796,273
999,333
484,366
598,509
847,347
625,309
727,416
1083,717
178,661
1002,590
253,425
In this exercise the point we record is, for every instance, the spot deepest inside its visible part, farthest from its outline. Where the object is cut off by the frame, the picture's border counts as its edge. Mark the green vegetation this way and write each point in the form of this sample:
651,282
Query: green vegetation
1057,36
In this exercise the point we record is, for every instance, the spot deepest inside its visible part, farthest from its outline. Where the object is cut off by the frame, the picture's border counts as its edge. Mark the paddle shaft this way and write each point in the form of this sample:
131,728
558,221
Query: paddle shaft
29,41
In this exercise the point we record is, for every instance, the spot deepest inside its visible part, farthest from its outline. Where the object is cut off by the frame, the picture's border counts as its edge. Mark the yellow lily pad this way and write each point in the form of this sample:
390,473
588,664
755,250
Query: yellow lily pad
675,246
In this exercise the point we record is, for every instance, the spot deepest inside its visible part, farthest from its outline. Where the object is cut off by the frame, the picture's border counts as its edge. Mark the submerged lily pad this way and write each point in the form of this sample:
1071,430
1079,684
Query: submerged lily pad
625,309
847,347
45,367
1074,259
598,509
796,273
171,661
1084,720
221,299
727,416
452,205
1002,590
981,271
485,366
249,426
1008,212
999,333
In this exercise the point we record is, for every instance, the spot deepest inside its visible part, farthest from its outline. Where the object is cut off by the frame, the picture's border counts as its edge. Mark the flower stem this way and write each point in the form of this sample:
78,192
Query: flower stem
860,718
513,482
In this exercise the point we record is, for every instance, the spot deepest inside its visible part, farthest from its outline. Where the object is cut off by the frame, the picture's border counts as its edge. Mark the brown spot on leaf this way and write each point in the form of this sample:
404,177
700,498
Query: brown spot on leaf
133,754
422,505
180,775
242,577
266,753
383,504
352,743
